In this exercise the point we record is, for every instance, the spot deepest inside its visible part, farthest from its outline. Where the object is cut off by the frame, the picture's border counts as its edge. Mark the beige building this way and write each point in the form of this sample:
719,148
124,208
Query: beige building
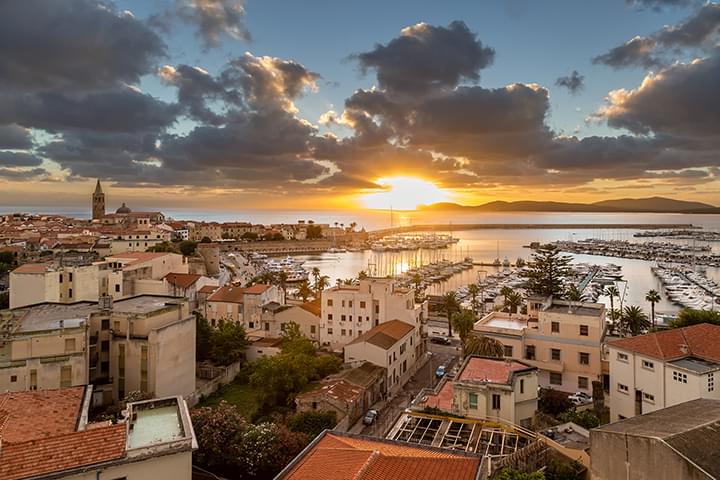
275,318
242,305
678,442
392,346
46,282
47,435
142,272
490,388
350,310
662,369
562,339
139,239
144,343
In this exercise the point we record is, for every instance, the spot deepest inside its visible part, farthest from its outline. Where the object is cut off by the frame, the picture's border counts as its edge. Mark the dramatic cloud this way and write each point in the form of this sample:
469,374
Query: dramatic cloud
17,159
698,31
215,18
573,82
426,57
15,137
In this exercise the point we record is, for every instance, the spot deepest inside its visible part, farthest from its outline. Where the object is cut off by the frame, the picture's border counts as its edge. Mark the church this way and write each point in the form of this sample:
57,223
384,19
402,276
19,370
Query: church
123,215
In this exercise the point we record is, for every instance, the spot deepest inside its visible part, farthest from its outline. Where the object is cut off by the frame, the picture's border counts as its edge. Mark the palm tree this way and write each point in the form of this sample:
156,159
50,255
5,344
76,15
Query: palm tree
322,282
316,275
613,292
653,297
463,322
267,277
304,291
362,275
483,346
512,302
573,294
450,305
282,280
505,292
634,320
474,291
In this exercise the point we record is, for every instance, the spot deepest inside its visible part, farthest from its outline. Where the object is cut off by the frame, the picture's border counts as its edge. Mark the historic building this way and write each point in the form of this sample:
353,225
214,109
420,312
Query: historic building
98,202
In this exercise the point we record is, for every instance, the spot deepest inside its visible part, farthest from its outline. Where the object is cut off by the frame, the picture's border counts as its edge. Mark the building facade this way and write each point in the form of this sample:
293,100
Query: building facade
242,305
98,202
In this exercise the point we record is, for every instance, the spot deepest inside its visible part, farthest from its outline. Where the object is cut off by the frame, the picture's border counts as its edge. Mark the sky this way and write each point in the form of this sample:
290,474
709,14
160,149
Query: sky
273,104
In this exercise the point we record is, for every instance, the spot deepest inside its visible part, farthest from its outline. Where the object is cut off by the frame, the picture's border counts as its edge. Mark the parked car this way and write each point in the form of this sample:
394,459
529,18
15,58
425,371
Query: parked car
440,340
440,372
580,398
370,417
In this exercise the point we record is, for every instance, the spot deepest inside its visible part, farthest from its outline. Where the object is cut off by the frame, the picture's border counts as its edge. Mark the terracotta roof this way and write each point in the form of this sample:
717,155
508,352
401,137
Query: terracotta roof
342,456
701,341
228,293
34,415
257,289
267,342
182,280
138,257
32,268
208,289
490,370
336,389
312,306
444,398
385,335
63,452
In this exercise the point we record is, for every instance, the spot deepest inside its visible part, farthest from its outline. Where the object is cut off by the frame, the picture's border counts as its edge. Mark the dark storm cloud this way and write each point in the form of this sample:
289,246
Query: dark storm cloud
426,57
14,137
195,87
21,175
214,18
72,44
573,82
19,159
697,31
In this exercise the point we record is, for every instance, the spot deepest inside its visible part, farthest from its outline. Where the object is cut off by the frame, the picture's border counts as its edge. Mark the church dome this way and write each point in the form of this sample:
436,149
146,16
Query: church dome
123,209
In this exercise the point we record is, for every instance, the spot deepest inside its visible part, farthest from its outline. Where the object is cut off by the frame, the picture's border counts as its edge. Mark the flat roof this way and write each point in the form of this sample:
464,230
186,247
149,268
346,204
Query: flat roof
581,310
509,323
143,303
156,425
696,364
47,316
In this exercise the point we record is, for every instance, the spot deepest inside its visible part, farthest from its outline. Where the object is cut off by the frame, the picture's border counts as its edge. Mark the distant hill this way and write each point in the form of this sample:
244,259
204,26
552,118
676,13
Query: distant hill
653,204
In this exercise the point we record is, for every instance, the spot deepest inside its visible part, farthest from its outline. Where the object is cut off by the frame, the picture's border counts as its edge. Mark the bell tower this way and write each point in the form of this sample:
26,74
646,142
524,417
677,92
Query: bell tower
98,202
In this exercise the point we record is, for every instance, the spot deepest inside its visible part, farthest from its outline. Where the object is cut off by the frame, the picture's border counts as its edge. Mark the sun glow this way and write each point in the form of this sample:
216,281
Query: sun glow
404,193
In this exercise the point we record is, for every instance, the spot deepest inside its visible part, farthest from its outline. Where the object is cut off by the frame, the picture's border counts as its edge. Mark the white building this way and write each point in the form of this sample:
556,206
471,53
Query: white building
391,345
348,311
662,369
242,305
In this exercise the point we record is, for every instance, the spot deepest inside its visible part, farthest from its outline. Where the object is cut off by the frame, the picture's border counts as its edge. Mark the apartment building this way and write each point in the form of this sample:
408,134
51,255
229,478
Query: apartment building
144,343
139,239
658,370
142,272
46,434
275,318
51,282
489,388
562,339
348,311
242,305
392,346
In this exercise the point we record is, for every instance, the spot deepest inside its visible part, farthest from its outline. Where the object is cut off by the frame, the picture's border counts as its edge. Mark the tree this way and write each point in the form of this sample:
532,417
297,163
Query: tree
634,320
280,378
474,291
483,346
313,232
228,343
4,300
561,470
586,418
315,272
282,278
187,247
206,240
505,292
653,297
573,294
513,302
362,275
163,246
249,236
612,292
417,287
293,341
312,422
322,283
463,322
450,305
508,474
688,317
304,290
553,402
203,338
546,271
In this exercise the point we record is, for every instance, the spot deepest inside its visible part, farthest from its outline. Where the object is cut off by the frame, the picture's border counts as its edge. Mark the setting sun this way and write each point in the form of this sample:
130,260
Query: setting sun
404,193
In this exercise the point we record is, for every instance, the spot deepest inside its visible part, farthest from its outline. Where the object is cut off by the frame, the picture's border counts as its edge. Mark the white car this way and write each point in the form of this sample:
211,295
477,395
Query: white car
580,398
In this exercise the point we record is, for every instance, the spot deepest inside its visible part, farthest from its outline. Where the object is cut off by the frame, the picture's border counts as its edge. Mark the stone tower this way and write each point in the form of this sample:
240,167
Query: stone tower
98,202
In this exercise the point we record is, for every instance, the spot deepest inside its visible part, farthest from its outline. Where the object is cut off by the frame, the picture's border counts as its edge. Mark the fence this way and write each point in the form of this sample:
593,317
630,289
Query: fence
216,376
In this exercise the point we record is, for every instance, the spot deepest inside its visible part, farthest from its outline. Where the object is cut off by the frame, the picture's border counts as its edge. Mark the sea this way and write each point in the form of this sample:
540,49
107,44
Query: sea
482,245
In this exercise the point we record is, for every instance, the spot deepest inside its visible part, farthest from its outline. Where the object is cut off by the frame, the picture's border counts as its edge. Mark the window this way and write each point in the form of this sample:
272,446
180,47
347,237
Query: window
522,385
343,332
362,304
61,278
312,328
329,316
648,365
622,388
116,325
33,379
555,378
496,401
711,382
69,345
70,277
267,326
377,309
143,369
555,353
583,330
105,346
69,292
472,400
343,303
584,358
508,350
583,382
680,377
648,398
622,357
350,318
350,303
13,378
330,331
555,327
117,288
389,359
530,352
402,349
342,318
66,376
359,332
105,324
329,302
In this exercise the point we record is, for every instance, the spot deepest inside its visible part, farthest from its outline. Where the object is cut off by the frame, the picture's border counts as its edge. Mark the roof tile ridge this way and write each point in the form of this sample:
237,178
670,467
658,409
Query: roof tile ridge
686,343
362,473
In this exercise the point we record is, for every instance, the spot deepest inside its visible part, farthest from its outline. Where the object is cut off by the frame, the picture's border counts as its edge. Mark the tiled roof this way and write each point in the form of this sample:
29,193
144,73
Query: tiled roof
228,293
337,389
63,452
138,257
34,415
32,268
208,289
182,280
444,398
312,306
385,335
257,289
490,370
697,340
341,456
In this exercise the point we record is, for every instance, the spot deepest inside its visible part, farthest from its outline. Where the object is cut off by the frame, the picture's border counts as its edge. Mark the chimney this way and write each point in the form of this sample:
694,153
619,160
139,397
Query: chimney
684,348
